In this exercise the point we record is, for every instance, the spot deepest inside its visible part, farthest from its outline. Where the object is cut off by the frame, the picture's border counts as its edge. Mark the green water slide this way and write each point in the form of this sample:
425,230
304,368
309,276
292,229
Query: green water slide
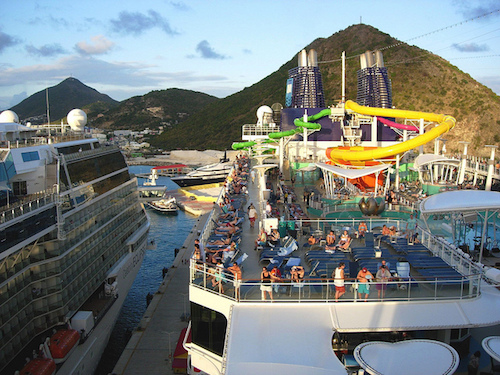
298,122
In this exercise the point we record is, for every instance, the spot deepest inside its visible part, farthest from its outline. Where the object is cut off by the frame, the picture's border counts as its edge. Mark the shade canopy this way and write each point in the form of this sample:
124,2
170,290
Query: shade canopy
491,345
461,201
352,173
425,159
407,357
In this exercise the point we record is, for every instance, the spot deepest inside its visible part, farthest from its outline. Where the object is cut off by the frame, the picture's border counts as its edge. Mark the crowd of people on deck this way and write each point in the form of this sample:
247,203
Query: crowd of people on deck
219,255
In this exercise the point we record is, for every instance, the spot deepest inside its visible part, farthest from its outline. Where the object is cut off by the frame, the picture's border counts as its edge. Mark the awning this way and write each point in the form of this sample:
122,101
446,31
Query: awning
407,357
311,167
461,201
425,159
352,172
281,339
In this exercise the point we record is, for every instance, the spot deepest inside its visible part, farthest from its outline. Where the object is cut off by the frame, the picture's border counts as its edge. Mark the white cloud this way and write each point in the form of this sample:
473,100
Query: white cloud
99,46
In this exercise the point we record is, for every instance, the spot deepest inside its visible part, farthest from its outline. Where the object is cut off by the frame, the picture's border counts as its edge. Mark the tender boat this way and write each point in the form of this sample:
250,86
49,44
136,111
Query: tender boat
164,206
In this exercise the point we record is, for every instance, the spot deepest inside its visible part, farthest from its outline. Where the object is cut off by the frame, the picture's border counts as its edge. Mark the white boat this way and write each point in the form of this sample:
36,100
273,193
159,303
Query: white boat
423,319
73,237
208,174
164,206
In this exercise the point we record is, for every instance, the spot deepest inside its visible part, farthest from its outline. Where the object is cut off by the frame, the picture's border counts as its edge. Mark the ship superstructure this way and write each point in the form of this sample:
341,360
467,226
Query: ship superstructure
72,238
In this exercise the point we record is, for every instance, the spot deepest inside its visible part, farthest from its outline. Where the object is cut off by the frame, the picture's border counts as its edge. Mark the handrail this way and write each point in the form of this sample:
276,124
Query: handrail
323,289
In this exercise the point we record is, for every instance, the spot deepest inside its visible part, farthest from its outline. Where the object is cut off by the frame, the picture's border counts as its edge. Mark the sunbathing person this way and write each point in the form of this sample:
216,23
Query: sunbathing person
274,237
261,239
392,231
385,231
362,229
231,229
345,241
224,241
330,238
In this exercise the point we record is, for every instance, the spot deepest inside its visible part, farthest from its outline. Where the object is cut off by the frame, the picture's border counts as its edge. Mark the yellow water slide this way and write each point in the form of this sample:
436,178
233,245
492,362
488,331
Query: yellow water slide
445,124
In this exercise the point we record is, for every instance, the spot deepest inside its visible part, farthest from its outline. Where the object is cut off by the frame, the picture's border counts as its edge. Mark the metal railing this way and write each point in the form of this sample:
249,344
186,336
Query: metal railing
323,289
28,204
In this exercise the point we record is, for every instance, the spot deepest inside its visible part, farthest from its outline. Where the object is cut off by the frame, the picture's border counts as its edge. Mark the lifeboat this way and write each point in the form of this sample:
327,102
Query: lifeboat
62,342
39,366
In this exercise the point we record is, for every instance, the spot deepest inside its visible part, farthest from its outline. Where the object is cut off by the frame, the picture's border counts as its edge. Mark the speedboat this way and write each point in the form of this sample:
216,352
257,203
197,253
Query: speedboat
164,205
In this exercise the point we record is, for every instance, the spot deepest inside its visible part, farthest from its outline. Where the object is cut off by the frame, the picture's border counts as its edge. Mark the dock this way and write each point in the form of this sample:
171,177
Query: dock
152,344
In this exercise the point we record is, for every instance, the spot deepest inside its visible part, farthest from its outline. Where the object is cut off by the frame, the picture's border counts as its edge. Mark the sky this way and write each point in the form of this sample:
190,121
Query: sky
125,48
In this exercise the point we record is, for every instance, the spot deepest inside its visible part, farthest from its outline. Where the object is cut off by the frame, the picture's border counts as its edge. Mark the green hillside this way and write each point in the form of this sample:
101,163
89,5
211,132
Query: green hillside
420,81
166,108
64,97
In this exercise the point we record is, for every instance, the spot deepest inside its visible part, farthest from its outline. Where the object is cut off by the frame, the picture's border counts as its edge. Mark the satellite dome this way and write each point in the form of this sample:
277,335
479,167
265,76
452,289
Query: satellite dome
77,119
9,116
264,112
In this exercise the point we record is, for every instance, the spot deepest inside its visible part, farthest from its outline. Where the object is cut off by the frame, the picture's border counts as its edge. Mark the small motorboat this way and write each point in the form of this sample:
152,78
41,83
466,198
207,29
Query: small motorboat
164,206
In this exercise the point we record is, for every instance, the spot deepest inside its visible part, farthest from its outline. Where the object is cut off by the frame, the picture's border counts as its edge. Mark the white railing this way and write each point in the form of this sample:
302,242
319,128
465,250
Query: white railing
323,289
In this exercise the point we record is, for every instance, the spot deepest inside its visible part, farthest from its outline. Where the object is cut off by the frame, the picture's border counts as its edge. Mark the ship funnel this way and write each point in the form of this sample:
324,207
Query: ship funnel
312,58
370,61
379,59
303,58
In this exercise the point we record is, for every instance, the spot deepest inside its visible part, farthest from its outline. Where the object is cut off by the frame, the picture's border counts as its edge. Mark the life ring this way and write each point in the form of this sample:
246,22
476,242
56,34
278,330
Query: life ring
401,187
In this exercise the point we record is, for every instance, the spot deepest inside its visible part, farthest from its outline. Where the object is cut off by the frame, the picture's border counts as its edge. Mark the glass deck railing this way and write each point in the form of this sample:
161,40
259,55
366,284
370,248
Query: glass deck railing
323,289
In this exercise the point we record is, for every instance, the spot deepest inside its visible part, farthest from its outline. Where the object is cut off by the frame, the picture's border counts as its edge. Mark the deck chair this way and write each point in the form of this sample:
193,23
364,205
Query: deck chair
403,269
290,248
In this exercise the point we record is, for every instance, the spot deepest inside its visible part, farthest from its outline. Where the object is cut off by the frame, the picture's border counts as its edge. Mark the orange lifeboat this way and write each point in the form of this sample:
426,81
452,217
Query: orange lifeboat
62,342
39,366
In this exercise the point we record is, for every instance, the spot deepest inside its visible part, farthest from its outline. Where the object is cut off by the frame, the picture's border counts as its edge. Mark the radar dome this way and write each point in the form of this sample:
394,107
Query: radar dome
77,119
264,113
9,116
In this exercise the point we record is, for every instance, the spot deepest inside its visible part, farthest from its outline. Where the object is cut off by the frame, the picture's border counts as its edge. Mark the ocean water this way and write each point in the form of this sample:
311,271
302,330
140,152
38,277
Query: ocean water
168,232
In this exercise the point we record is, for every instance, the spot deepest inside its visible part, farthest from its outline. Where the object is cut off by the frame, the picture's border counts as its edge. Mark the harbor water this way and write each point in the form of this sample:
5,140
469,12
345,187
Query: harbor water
168,233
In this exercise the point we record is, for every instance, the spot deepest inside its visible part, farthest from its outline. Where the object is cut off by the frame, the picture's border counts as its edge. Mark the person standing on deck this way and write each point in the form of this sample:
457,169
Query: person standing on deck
252,215
411,224
338,280
236,271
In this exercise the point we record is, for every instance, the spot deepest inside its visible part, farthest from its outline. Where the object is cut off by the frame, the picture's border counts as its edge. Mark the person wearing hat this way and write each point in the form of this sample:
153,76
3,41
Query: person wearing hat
363,288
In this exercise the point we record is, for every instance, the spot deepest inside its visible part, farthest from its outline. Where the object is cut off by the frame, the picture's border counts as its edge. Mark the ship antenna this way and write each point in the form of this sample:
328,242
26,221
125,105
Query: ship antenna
47,100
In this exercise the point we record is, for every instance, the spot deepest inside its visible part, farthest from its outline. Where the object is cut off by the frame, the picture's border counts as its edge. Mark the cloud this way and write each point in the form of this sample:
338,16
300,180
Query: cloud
45,51
6,41
247,51
470,47
180,6
125,76
205,51
99,46
470,9
136,23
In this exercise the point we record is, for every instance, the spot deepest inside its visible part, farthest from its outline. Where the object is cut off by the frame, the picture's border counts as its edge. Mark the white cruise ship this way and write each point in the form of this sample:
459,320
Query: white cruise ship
430,297
72,239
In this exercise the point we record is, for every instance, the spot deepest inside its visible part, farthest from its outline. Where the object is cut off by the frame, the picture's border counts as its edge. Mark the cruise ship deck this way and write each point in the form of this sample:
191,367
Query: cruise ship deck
432,291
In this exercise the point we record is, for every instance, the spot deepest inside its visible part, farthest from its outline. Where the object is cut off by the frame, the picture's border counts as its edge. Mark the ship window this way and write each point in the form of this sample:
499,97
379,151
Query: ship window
208,328
30,156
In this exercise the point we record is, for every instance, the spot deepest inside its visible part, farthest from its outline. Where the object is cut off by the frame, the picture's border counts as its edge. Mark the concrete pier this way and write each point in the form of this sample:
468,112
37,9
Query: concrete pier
152,344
